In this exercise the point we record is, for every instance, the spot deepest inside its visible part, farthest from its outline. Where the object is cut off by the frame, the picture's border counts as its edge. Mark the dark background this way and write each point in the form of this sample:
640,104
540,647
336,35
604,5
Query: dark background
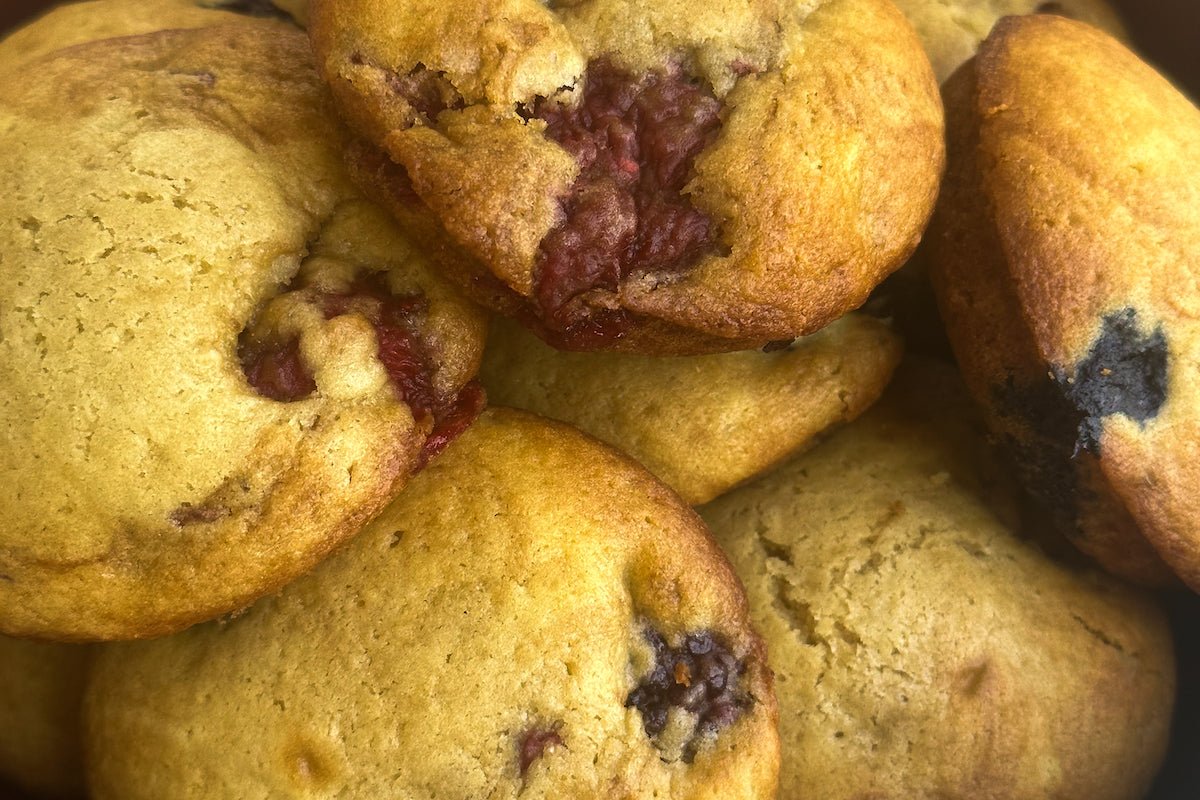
1167,32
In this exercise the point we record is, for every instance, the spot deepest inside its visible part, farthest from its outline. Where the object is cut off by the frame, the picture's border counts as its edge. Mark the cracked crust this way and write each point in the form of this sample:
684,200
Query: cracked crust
813,210
77,23
147,485
952,31
924,650
480,638
702,424
41,696
1099,245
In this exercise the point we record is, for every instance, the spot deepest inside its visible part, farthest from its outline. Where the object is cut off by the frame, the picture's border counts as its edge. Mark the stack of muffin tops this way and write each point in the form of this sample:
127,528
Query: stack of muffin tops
249,272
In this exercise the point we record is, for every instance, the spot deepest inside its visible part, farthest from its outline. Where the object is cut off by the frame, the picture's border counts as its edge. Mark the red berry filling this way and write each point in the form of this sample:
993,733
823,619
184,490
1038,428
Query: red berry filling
635,139
276,371
534,743
275,368
400,349
451,419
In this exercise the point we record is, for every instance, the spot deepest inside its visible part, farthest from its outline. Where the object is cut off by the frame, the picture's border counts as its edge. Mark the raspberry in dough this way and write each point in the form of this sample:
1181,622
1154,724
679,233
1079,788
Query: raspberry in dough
218,360
654,177
1069,225
535,617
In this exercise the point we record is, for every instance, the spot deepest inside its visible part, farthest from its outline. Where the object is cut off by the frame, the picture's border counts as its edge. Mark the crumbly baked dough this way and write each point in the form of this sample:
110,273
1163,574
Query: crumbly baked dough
41,697
702,424
166,191
952,30
922,648
819,181
503,596
1077,160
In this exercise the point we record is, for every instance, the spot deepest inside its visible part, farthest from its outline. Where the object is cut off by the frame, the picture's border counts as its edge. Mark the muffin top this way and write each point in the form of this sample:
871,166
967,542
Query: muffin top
1003,368
207,334
1083,161
702,424
506,628
648,177
75,23
922,646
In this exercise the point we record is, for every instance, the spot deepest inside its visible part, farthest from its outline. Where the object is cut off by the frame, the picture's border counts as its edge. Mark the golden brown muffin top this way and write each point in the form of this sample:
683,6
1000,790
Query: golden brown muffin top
952,30
178,232
1087,159
702,424
924,649
1002,367
500,631
799,172
76,23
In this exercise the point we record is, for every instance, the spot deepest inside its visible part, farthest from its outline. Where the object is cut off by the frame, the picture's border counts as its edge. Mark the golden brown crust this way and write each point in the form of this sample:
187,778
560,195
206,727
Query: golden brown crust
922,648
1001,364
702,424
148,485
505,591
813,210
1101,241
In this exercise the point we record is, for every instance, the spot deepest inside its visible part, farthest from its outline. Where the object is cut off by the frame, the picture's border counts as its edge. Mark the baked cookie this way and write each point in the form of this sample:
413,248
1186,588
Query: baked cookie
1068,225
651,177
75,23
41,695
702,424
952,31
217,360
921,648
504,629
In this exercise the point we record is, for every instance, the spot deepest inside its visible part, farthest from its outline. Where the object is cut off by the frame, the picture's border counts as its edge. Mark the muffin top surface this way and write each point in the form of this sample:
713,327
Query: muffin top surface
656,178
952,31
1001,363
1085,165
503,629
702,424
922,646
193,345
71,24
